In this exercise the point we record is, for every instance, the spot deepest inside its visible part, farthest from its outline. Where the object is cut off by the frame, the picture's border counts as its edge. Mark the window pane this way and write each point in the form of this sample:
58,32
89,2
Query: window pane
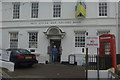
57,9
103,9
13,40
16,10
34,13
33,39
80,39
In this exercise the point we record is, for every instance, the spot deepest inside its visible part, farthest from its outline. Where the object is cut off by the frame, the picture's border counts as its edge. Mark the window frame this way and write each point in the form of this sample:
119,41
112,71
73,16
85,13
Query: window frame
12,39
104,9
35,10
36,45
79,43
57,13
16,15
103,32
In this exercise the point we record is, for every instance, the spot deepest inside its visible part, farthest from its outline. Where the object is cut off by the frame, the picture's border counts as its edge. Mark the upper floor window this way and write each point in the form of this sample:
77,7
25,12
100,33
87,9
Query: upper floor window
16,10
103,9
80,38
57,9
34,13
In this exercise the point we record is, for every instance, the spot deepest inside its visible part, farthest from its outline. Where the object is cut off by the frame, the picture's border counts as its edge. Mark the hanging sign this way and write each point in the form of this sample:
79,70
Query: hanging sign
80,9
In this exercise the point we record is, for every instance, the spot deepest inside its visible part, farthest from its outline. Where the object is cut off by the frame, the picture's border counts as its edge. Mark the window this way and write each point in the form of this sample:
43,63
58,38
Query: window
16,10
103,9
80,39
57,9
102,32
34,13
33,38
13,39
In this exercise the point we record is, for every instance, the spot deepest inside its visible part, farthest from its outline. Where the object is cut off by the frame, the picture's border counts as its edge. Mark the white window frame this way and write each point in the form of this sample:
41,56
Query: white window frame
34,9
35,42
57,13
104,12
80,35
16,10
102,32
11,39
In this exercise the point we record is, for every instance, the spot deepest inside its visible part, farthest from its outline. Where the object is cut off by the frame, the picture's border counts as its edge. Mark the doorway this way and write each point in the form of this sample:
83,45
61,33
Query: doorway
56,42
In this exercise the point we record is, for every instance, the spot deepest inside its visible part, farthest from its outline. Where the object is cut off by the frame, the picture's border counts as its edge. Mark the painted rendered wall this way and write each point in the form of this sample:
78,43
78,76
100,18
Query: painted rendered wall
92,23
0,25
118,27
46,10
68,44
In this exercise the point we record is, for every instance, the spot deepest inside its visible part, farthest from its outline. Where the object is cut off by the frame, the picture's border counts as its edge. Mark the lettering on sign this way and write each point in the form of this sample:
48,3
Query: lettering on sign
92,41
55,22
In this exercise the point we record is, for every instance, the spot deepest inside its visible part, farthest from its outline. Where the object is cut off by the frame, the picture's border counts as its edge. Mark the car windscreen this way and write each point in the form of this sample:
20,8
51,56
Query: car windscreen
22,51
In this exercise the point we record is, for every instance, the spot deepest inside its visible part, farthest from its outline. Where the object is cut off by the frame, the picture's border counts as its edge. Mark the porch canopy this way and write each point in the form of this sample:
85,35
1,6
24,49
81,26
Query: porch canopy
54,32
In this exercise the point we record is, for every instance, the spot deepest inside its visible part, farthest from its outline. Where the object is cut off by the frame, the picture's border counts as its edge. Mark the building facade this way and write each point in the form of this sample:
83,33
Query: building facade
118,26
38,26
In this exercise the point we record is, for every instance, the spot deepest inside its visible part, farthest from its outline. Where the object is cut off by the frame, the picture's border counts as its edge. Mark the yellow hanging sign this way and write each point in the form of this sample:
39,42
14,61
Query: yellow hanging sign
80,10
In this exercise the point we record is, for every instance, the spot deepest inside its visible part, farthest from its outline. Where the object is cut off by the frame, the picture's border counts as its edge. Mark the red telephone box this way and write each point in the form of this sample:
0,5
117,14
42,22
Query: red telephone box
108,47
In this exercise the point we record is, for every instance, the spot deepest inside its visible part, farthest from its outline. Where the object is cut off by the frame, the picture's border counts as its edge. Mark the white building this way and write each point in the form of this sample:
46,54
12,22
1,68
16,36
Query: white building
37,26
118,26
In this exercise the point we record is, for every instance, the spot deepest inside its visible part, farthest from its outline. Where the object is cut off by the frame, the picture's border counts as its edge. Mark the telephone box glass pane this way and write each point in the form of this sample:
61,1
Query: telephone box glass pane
105,47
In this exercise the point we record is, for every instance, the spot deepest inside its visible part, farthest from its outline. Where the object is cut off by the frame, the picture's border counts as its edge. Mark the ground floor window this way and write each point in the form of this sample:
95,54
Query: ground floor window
13,39
33,39
80,38
102,32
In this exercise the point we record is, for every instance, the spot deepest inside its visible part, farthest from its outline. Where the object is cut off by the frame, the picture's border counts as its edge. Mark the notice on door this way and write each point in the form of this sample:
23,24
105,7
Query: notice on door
92,41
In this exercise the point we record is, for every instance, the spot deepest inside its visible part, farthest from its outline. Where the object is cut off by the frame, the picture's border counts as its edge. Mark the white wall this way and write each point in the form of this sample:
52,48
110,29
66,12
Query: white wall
92,23
92,9
7,11
68,42
0,25
25,9
0,38
103,74
46,10
118,26
68,10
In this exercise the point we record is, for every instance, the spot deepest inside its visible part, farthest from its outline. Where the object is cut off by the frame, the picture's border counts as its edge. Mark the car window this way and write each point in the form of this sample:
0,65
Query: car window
22,51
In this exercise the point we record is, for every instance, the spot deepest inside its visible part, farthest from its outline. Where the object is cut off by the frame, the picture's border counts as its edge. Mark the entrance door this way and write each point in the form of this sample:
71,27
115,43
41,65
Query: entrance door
57,43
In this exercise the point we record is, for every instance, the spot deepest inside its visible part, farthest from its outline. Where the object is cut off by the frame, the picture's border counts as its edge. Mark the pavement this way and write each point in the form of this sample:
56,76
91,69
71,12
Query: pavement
47,71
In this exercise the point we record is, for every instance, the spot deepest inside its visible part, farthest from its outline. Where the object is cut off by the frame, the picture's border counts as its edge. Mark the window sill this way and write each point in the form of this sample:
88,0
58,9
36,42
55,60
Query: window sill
102,16
56,18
